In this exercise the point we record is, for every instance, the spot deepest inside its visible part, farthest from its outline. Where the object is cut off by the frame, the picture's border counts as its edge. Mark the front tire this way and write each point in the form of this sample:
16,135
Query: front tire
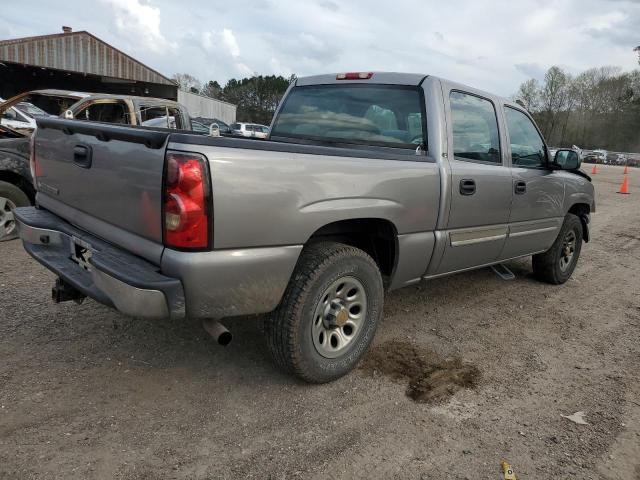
329,313
10,198
556,265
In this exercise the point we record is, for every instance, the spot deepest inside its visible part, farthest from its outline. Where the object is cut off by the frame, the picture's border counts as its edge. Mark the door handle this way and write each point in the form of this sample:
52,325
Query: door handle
82,156
467,186
520,188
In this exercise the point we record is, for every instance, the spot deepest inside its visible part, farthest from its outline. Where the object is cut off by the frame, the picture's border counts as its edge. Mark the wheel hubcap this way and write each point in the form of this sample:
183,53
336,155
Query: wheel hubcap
7,222
568,250
338,317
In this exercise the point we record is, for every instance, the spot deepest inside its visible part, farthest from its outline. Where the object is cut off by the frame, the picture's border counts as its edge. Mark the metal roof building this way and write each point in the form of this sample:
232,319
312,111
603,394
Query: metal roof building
76,61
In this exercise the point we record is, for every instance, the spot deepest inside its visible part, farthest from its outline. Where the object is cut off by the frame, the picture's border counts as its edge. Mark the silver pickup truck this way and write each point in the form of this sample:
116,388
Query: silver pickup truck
369,182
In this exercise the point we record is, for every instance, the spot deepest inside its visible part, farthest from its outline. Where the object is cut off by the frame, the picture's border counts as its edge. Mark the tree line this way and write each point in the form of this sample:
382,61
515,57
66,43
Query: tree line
599,108
256,97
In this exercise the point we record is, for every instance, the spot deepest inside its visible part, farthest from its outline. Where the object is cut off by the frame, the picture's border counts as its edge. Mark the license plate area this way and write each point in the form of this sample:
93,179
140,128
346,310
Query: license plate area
81,252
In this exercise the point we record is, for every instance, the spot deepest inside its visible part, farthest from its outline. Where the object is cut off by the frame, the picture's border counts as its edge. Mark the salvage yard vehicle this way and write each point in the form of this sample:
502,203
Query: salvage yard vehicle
103,107
52,101
21,116
16,186
206,123
369,182
131,110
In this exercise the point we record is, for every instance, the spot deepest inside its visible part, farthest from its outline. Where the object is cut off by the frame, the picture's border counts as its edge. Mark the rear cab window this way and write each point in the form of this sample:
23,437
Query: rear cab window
375,115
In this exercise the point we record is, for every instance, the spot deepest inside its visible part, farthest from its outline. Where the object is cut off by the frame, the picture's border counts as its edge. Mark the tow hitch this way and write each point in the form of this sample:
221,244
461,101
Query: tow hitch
63,292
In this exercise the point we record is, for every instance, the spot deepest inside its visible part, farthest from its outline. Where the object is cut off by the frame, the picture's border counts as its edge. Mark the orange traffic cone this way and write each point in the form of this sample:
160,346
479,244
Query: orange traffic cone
624,188
626,169
594,170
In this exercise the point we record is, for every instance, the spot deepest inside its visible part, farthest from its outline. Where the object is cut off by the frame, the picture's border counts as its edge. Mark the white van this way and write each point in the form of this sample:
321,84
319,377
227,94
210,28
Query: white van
252,130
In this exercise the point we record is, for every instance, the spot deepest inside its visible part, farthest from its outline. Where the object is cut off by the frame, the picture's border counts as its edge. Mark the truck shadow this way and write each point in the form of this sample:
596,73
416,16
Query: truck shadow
184,346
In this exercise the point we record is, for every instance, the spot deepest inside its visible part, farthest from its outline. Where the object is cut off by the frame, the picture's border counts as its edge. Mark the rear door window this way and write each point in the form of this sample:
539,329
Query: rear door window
107,112
379,115
154,116
475,128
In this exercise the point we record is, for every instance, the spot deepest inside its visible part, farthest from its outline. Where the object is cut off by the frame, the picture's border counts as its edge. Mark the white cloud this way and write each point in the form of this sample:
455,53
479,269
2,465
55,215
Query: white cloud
243,69
541,19
230,42
492,45
605,21
139,20
278,67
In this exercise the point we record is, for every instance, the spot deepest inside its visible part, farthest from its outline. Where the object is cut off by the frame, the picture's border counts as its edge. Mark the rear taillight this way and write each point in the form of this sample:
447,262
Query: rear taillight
186,209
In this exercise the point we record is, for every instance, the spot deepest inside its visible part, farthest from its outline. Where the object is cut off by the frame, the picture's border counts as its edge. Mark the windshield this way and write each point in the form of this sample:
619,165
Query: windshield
385,115
30,109
49,104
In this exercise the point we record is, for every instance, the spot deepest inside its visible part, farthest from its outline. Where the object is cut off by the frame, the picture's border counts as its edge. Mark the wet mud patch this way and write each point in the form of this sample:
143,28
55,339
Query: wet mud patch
431,378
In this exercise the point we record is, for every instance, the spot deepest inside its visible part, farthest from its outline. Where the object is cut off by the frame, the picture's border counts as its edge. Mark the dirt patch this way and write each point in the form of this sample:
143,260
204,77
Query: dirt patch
432,379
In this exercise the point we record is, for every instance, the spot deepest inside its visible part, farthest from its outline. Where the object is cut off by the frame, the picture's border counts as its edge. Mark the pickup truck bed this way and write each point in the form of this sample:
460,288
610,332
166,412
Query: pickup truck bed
366,183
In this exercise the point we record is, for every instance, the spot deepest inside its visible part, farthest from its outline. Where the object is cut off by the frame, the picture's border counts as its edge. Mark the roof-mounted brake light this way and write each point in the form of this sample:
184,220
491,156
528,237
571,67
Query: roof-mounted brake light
354,76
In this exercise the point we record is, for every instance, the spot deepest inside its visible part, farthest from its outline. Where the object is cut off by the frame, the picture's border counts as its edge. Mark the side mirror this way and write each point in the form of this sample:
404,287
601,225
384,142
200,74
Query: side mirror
566,159
68,114
214,130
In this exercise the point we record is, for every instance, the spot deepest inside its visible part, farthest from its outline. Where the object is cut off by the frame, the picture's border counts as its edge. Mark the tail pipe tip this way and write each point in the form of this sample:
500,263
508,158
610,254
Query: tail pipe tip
217,331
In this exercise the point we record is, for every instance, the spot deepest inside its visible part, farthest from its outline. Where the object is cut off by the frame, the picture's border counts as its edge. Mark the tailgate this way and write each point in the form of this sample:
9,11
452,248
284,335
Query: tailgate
106,179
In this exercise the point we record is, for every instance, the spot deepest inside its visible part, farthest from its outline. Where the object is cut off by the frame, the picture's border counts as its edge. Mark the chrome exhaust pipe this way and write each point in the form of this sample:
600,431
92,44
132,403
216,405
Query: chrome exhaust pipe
217,331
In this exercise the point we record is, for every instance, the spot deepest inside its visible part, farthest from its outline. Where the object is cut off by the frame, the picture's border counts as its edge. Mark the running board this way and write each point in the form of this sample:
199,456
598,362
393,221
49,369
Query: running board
503,271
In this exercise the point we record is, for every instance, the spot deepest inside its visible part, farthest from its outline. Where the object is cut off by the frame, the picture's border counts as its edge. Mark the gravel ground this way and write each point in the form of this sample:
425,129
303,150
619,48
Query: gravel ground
88,393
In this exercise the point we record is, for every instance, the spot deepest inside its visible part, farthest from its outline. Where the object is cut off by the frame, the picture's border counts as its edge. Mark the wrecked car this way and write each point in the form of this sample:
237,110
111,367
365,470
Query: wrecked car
130,110
16,185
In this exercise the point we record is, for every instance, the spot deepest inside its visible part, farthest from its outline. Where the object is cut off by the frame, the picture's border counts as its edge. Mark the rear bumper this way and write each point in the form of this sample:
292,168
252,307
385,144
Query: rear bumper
111,275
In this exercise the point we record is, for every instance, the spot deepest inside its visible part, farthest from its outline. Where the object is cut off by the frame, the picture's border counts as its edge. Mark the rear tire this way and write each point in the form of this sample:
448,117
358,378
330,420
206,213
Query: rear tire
10,198
556,265
329,313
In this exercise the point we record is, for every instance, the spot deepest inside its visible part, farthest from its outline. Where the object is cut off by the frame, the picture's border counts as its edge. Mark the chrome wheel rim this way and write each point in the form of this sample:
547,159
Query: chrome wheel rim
7,221
568,250
339,316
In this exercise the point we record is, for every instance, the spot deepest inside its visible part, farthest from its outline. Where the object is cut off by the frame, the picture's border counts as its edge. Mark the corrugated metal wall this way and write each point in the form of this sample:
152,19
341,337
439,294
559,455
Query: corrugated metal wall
78,52
200,106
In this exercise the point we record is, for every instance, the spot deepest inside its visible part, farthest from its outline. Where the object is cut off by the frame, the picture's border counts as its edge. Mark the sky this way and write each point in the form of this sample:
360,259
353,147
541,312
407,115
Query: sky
493,45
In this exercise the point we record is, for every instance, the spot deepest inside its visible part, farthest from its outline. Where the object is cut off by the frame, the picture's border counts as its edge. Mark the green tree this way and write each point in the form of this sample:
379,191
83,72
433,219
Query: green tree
599,108
257,97
187,82
211,89
529,94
